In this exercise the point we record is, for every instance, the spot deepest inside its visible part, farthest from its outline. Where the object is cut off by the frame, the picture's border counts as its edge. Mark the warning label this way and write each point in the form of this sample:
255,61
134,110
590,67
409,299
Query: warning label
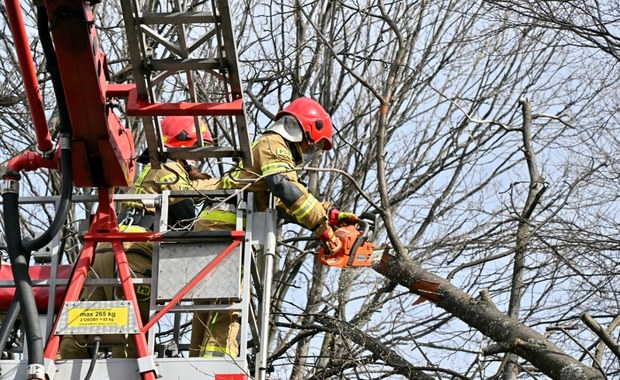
104,316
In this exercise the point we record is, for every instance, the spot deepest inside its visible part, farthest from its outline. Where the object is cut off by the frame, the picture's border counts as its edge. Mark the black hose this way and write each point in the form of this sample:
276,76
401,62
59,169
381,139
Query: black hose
65,128
51,65
64,205
93,360
8,322
23,284
19,251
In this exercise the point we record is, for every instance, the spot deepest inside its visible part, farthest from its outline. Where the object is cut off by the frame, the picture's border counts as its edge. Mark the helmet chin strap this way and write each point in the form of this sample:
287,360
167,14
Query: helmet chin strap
308,157
312,152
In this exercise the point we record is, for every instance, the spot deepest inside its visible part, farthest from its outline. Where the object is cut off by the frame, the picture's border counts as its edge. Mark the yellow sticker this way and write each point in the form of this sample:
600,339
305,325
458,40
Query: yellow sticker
101,316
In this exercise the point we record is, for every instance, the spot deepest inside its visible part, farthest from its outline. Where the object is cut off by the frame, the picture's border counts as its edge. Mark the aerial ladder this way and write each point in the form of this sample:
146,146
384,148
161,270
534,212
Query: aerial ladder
173,46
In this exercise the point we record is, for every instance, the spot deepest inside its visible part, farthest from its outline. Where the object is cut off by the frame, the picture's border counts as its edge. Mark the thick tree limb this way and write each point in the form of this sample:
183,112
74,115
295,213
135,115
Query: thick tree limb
605,337
482,315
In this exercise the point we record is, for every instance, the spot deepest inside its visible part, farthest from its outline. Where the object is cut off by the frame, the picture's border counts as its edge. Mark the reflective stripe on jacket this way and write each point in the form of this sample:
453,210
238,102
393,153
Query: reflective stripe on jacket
171,176
272,156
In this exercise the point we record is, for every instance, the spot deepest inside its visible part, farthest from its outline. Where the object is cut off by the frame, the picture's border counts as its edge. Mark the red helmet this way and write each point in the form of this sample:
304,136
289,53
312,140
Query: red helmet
314,120
180,131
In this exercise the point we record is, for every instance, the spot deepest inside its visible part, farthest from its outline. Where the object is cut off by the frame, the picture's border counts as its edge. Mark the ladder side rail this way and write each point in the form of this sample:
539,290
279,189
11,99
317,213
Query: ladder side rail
160,226
152,71
146,363
230,47
245,215
72,293
51,302
183,44
268,260
136,46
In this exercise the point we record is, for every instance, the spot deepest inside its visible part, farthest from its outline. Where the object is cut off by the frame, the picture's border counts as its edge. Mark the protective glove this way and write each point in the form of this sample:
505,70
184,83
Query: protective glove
332,243
337,218
198,175
194,174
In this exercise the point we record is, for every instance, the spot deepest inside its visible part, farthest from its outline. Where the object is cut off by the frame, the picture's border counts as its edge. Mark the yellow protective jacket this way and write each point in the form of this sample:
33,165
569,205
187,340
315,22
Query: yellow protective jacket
273,171
170,176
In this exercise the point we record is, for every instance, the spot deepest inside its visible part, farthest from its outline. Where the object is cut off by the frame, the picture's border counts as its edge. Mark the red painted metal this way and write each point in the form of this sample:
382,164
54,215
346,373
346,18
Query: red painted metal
103,148
230,376
142,107
124,236
30,160
139,236
119,90
124,274
41,294
190,285
29,75
237,234
72,293
105,222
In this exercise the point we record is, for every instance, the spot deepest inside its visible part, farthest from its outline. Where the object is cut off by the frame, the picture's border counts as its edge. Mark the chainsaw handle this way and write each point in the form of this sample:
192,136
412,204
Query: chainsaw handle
371,220
364,226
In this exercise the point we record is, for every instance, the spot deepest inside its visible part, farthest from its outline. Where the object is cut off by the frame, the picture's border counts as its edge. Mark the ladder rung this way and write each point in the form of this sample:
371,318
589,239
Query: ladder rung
151,18
195,64
117,90
142,107
219,306
200,236
200,153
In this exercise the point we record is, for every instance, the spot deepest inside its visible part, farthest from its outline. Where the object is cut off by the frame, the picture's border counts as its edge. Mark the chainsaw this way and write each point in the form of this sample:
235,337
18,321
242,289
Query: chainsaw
357,250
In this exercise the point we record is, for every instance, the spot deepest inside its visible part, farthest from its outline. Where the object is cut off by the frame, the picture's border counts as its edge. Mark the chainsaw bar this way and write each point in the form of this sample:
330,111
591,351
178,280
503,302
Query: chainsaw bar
378,252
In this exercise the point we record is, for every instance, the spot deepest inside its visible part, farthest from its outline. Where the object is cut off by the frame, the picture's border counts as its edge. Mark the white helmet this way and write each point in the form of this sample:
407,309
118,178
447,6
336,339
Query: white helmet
288,127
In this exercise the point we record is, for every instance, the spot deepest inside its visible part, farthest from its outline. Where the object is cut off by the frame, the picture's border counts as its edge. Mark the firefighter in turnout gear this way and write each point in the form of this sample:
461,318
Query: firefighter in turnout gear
178,131
303,127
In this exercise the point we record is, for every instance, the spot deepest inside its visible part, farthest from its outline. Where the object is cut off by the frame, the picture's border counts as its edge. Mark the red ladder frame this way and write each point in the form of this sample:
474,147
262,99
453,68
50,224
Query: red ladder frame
105,229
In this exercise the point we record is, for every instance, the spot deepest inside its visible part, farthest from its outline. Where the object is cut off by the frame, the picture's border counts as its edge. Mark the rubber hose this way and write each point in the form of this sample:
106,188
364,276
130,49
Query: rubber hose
52,68
65,128
93,359
64,204
23,283
8,322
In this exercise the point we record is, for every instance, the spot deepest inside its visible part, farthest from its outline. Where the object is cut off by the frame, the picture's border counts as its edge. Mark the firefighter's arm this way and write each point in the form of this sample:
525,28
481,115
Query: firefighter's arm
205,184
277,165
297,203
173,176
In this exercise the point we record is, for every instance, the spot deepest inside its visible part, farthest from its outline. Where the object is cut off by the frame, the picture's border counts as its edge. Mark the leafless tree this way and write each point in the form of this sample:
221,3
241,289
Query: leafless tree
581,24
484,141
427,99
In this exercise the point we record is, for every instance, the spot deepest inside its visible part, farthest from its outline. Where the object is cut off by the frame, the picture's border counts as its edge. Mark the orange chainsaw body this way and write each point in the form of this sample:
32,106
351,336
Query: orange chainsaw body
355,252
